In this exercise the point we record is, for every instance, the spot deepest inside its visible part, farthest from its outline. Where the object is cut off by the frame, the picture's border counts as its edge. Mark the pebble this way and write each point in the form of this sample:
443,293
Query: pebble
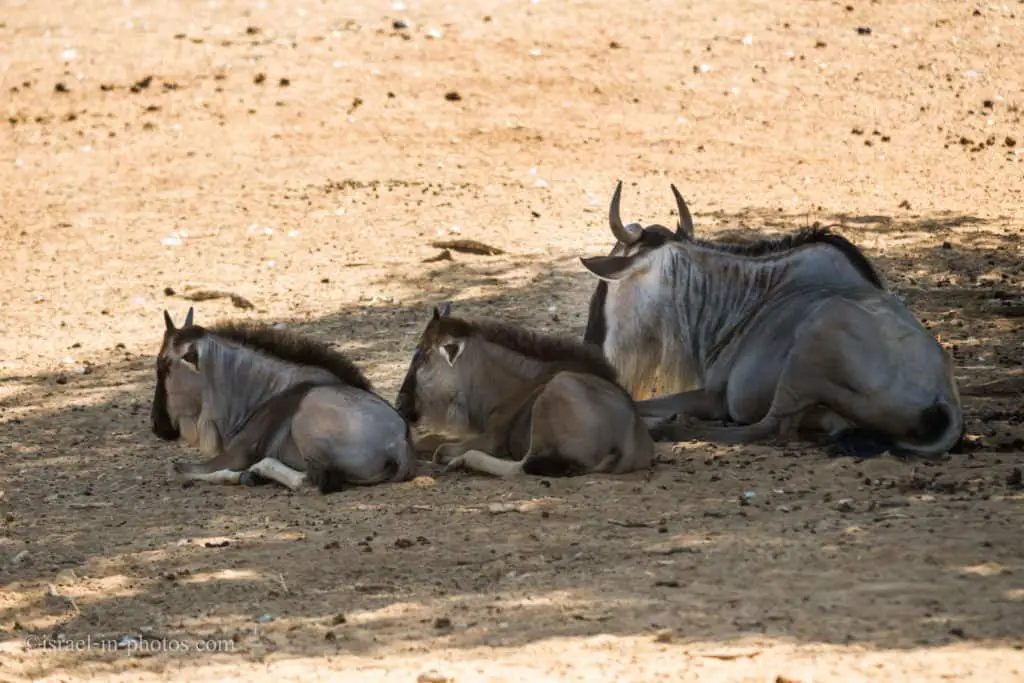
433,676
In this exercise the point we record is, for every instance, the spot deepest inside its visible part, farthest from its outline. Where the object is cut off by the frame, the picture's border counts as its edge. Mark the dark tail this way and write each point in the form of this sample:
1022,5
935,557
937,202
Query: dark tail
330,479
326,479
861,443
931,424
928,438
550,465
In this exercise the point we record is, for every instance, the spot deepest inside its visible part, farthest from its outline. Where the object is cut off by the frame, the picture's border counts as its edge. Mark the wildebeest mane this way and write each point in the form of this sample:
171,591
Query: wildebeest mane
563,351
286,345
803,237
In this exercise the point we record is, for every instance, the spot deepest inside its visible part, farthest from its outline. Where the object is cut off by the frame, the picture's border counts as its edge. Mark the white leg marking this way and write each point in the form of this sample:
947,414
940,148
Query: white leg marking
218,477
488,464
275,470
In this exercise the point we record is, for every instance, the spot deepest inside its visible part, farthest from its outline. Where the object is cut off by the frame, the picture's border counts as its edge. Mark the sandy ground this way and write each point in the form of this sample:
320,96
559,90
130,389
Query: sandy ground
304,155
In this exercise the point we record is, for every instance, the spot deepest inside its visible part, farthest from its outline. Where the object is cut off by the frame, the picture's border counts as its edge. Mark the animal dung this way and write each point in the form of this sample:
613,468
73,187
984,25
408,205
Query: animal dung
443,255
237,300
467,246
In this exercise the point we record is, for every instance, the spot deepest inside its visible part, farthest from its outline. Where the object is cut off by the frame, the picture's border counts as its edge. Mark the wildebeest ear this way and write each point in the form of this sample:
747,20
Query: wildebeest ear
612,267
188,318
168,321
452,351
191,356
446,310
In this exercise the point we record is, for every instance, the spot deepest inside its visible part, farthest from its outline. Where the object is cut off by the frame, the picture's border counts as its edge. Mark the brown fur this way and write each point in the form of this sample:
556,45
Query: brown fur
570,418
566,353
284,344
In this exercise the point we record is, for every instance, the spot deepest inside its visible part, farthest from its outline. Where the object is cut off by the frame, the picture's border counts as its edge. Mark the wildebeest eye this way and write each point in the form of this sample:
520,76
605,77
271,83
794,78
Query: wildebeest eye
191,357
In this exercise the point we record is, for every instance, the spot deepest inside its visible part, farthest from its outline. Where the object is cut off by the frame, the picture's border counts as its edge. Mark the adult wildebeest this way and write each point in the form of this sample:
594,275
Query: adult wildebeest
637,371
782,336
271,403
528,403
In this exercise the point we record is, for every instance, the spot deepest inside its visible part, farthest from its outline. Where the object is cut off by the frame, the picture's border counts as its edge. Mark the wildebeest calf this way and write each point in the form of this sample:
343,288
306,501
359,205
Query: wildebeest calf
269,403
527,402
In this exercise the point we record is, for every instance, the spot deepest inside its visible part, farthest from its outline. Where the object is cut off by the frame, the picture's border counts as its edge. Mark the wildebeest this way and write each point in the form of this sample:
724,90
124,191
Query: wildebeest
637,371
524,402
782,336
269,402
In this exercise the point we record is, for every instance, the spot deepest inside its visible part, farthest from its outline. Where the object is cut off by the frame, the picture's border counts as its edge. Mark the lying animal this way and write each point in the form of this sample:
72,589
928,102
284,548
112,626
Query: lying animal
268,403
786,336
528,403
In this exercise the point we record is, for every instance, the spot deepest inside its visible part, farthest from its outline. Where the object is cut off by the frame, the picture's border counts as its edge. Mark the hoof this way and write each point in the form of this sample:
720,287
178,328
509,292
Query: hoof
248,478
663,432
443,453
456,463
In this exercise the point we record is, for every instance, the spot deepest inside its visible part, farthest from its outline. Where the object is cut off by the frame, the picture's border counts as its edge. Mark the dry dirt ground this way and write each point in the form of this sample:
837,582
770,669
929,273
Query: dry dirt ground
304,155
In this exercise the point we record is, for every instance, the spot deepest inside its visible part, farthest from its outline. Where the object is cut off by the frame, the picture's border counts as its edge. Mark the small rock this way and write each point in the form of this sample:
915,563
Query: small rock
1010,142
18,558
864,30
168,291
1015,479
284,82
330,636
141,85
339,619
452,96
403,543
947,245
127,642
259,78
332,545
61,88
65,577
400,24
844,505
442,623
664,636
61,379
958,632
433,676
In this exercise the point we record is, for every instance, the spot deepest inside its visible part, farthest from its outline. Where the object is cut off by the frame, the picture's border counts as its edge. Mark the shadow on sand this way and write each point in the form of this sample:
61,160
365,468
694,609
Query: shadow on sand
99,541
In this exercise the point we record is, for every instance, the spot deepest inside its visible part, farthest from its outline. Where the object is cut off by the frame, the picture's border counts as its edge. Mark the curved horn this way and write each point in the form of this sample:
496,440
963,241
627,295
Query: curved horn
188,318
685,228
168,322
626,234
